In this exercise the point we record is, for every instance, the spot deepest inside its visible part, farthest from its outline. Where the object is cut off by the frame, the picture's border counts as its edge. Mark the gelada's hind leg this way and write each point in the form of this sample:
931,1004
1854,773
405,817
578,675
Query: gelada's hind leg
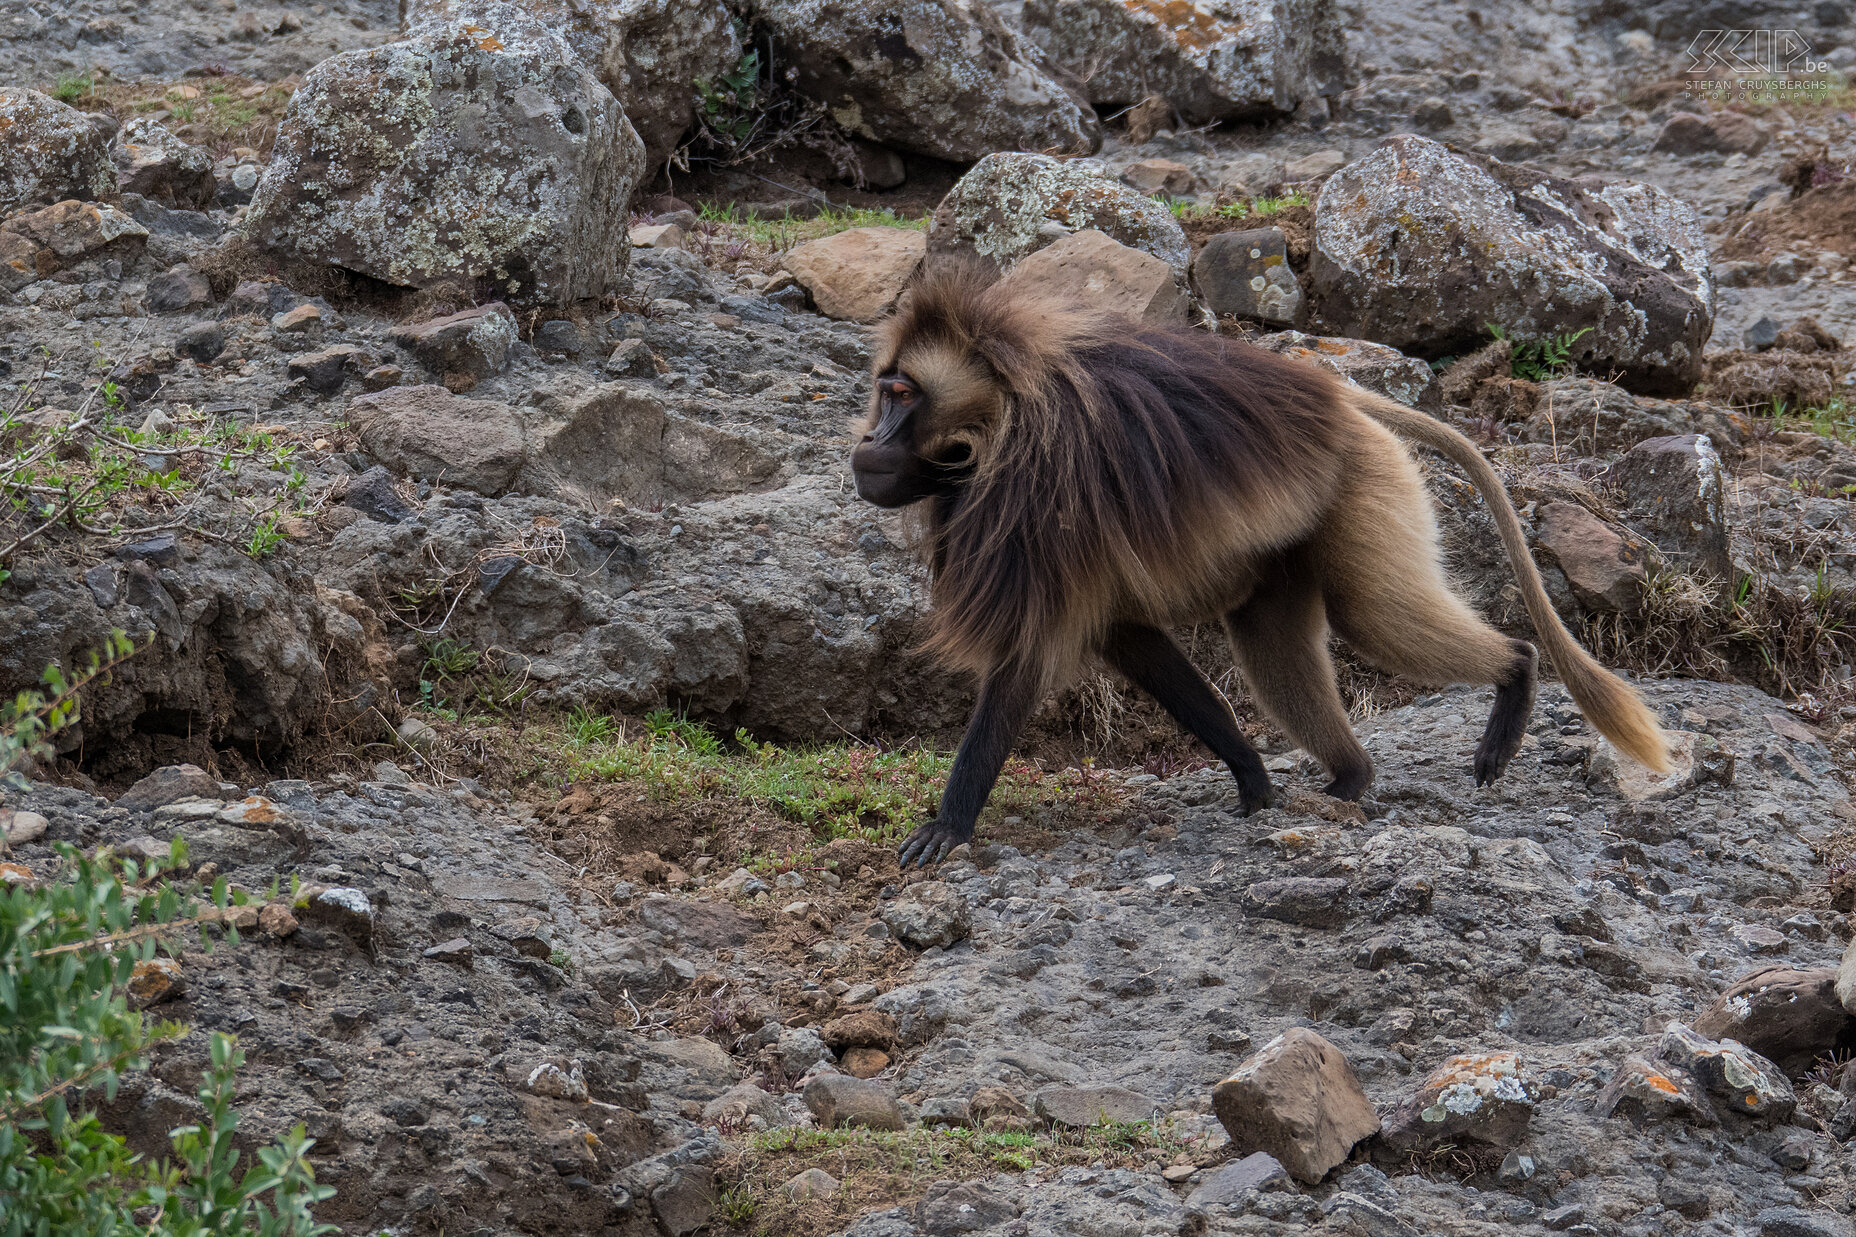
1280,638
1388,598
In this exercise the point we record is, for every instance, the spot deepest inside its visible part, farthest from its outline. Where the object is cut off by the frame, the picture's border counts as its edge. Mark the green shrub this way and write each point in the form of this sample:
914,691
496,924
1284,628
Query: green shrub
68,948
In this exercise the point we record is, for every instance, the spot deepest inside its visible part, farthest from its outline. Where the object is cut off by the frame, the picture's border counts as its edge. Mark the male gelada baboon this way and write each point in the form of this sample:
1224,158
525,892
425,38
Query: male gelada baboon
1084,482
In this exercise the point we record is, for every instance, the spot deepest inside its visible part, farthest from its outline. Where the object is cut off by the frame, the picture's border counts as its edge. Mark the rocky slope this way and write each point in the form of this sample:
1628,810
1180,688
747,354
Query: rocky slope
360,473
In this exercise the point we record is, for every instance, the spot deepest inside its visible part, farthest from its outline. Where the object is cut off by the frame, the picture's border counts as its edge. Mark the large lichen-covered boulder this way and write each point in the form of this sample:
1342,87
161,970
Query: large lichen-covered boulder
1212,59
649,53
1425,249
944,78
488,156
1011,205
50,153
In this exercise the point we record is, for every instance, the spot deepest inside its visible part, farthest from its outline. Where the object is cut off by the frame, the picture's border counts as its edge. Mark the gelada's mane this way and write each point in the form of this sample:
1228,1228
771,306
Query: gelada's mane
1107,455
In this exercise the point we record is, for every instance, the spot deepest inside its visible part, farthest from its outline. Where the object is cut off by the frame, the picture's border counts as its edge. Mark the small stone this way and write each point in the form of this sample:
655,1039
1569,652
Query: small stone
1738,1079
1158,176
1433,112
657,236
864,1062
1092,268
1788,1016
799,910
1641,1091
381,377
1173,1174
202,342
177,288
1797,1222
862,1028
528,936
839,1100
1320,164
18,828
456,950
1761,335
1247,275
1759,939
477,342
244,918
561,1082
1312,901
631,358
812,1183
1560,1219
734,1106
1477,1099
1685,1198
1078,1107
169,784
856,275
299,321
1516,1168
1298,1100
743,883
320,1068
561,337
15,874
375,494
346,909
929,914
1228,1184
156,980
324,371
275,920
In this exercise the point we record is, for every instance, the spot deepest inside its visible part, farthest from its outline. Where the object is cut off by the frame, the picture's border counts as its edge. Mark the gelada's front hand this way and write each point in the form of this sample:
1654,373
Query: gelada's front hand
931,842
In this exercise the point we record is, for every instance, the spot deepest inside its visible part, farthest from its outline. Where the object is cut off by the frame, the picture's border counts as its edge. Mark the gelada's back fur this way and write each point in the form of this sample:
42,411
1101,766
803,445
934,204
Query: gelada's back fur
1122,472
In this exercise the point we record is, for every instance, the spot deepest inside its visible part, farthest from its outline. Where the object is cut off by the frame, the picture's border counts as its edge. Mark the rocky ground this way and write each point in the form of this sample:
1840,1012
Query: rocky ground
388,531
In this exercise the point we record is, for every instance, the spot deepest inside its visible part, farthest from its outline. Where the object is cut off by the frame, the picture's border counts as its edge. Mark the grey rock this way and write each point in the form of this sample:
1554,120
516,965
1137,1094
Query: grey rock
1761,335
1312,901
840,1100
1010,205
1375,367
475,341
516,181
1078,1107
169,784
156,164
1246,275
374,493
202,342
951,81
1797,1222
1298,1100
928,914
429,433
1421,248
1677,493
178,287
647,52
1229,1184
49,152
1211,61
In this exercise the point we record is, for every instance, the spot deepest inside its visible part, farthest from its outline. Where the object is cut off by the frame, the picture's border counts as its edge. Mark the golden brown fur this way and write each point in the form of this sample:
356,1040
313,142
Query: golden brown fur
1121,475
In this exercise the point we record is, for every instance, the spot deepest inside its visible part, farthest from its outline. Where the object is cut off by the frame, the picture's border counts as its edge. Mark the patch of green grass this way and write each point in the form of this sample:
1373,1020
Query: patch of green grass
74,86
1835,420
1540,360
1260,206
790,230
851,790
881,1167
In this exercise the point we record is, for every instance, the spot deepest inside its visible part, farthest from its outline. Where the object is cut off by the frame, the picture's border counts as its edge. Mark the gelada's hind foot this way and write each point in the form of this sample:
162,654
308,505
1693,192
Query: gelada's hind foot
1514,704
1253,788
1350,782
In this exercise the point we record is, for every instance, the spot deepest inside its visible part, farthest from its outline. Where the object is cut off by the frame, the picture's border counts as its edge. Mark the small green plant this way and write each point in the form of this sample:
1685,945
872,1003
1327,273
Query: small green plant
561,961
729,106
266,536
30,719
1262,206
1540,360
74,86
68,950
585,727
